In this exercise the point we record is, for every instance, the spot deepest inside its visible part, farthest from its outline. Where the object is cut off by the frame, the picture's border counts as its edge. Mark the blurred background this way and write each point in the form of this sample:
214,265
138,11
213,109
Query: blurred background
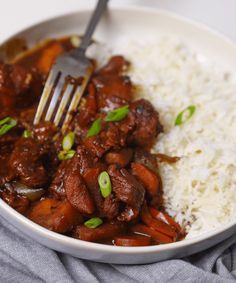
17,14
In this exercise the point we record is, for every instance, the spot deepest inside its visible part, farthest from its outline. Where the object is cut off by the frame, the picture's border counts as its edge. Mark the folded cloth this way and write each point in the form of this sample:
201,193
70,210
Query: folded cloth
24,260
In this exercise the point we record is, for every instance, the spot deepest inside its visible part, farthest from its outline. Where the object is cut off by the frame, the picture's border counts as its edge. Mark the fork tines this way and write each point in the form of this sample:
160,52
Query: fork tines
60,98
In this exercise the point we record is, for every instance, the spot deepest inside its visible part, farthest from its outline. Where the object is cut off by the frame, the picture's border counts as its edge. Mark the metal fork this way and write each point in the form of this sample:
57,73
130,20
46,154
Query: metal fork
68,79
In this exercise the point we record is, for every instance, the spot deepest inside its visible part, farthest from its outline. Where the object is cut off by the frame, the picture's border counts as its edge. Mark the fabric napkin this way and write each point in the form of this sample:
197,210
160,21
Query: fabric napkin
24,260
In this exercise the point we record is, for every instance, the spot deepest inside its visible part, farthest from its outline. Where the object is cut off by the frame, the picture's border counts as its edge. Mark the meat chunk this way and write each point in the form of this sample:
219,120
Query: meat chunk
83,160
77,192
107,139
128,190
116,65
126,187
16,81
103,232
44,132
6,148
111,207
128,213
91,181
26,163
57,184
110,85
120,158
111,137
145,158
80,185
19,203
88,111
147,123
94,145
108,207
55,215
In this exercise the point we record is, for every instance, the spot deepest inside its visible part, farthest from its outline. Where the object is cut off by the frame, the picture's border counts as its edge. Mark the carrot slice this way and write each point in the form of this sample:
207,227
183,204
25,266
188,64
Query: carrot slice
147,177
155,235
103,232
56,215
160,215
132,241
156,224
48,57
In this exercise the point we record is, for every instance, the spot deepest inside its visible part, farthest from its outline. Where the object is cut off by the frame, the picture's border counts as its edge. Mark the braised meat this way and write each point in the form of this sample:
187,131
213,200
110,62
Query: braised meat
113,88
129,191
19,203
99,181
77,192
147,124
26,163
15,84
120,158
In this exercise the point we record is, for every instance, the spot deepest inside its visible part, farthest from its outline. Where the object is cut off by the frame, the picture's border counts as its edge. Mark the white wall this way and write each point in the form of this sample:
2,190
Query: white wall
17,14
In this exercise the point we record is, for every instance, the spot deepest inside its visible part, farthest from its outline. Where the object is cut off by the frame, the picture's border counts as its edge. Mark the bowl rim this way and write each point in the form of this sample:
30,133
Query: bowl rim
76,243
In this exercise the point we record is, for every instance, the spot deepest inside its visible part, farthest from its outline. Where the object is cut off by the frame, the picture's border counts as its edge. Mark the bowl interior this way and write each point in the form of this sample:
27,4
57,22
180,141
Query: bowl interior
137,24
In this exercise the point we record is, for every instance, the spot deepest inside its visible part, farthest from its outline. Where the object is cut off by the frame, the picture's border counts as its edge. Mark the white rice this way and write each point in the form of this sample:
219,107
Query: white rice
200,189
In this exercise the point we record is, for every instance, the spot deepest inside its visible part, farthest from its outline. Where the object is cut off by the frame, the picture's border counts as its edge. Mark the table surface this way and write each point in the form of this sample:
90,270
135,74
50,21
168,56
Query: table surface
15,15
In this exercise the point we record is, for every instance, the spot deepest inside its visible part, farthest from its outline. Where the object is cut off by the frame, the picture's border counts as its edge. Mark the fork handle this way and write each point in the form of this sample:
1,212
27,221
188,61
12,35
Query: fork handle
101,5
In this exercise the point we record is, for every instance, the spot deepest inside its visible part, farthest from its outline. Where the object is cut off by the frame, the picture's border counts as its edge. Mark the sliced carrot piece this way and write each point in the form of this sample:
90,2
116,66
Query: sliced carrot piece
156,224
155,235
56,215
132,240
160,215
48,57
147,177
103,232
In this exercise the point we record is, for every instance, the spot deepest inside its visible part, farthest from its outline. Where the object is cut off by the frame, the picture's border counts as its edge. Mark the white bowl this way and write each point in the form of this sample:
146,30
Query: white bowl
135,23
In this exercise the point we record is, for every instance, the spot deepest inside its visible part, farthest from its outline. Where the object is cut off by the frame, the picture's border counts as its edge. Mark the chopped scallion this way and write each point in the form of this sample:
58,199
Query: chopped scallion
117,114
184,115
65,155
27,134
104,184
95,128
68,141
5,120
6,125
93,222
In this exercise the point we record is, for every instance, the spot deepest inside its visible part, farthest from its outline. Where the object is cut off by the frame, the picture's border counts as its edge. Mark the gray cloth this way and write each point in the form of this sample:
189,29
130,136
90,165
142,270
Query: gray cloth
24,260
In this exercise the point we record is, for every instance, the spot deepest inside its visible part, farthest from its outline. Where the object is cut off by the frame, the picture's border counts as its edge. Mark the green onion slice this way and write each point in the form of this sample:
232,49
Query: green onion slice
6,125
93,222
117,114
5,120
95,128
104,184
186,114
27,134
68,141
65,155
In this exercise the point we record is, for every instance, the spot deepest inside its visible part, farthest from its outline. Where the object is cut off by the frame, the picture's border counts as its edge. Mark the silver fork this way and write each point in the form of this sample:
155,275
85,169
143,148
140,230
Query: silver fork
67,79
